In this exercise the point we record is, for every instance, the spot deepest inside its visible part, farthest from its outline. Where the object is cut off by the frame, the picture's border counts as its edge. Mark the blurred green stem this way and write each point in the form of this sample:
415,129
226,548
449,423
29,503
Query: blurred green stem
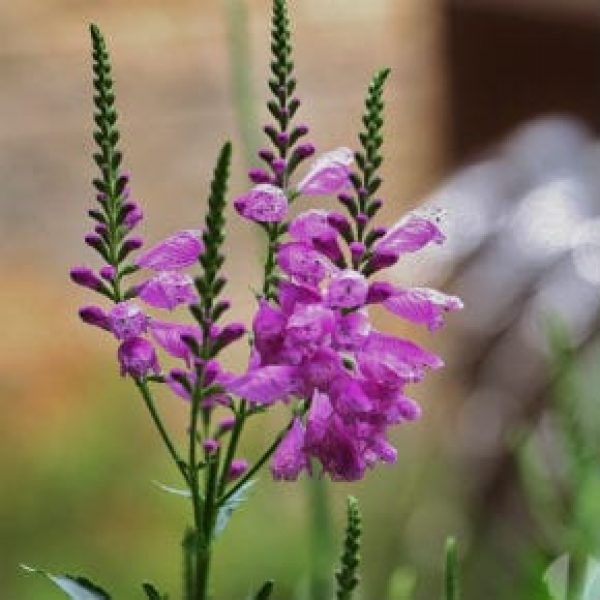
321,539
241,76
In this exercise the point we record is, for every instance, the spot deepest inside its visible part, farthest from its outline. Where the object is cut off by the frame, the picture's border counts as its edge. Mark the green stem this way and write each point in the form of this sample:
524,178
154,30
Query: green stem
232,447
149,401
256,467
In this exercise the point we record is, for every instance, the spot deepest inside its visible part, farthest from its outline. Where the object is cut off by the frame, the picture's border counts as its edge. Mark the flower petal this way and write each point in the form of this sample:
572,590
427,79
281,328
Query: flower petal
264,203
178,251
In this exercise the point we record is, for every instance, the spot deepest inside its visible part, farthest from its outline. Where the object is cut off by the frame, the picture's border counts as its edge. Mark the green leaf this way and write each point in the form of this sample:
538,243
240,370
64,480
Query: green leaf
77,588
264,593
451,575
172,490
230,506
153,593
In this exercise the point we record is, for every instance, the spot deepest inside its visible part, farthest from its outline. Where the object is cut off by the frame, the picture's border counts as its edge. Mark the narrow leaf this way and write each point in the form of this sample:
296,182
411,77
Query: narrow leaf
76,588
451,575
264,593
173,490
230,506
152,592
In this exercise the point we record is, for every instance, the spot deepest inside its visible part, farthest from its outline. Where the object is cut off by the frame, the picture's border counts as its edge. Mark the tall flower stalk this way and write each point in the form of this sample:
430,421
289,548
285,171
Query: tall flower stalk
313,345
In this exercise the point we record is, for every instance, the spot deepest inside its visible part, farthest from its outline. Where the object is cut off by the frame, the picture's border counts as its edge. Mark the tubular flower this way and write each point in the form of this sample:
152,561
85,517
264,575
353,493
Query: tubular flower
168,289
264,203
178,251
329,174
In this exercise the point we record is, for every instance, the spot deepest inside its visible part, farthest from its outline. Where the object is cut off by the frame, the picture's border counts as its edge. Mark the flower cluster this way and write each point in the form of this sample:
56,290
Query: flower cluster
313,339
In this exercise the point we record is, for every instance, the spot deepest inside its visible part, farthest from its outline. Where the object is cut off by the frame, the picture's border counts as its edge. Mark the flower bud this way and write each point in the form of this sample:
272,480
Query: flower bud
379,291
210,446
229,334
85,277
267,155
259,176
237,468
94,315
137,358
226,424
130,245
108,272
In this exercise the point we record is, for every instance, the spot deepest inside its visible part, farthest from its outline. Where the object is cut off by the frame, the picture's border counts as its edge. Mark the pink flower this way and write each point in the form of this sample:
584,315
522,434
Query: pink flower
423,305
94,315
264,203
347,289
265,385
85,277
328,174
178,251
312,227
303,263
168,289
237,468
410,234
137,358
289,459
169,337
127,320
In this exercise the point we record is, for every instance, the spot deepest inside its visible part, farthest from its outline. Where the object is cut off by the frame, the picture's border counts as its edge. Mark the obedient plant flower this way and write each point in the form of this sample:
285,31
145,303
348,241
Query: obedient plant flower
137,358
264,203
314,347
168,289
178,251
313,339
329,174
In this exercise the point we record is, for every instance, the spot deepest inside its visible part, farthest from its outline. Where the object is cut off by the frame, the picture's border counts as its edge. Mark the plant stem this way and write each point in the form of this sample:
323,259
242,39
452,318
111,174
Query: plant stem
256,467
232,447
142,385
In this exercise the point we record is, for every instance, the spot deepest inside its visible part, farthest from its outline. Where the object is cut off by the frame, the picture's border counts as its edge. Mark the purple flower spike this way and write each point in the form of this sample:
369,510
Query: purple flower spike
237,468
127,320
168,289
289,459
85,277
178,251
423,305
137,358
168,337
329,174
347,290
94,315
264,203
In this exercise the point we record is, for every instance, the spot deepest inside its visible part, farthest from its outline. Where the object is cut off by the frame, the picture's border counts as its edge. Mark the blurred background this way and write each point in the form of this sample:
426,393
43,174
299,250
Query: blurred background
493,114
